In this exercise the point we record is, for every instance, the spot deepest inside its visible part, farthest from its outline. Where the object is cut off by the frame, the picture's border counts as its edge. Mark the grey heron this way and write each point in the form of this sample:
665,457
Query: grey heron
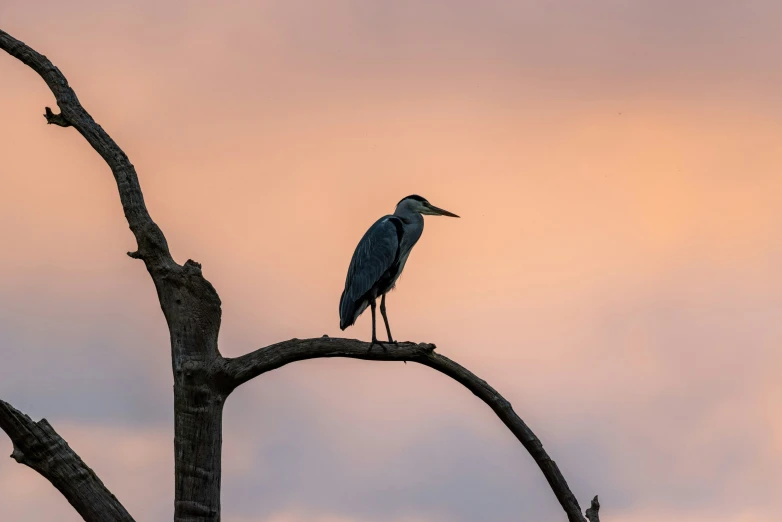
380,258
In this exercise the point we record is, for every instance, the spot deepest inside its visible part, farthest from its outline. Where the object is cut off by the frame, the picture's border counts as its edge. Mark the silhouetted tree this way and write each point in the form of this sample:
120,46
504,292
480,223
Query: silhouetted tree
204,379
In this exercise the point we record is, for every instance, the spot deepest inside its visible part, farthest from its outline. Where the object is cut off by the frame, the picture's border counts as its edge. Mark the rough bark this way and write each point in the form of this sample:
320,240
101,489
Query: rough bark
203,379
189,302
39,447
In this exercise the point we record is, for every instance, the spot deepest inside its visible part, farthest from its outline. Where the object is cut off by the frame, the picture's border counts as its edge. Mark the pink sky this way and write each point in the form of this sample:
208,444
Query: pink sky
614,273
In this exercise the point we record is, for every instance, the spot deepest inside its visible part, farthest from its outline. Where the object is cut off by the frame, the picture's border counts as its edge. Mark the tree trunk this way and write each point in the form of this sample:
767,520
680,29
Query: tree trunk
197,446
192,309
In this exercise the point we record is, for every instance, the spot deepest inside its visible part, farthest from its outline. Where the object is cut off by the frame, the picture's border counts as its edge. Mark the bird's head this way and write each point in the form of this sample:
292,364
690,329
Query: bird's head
418,204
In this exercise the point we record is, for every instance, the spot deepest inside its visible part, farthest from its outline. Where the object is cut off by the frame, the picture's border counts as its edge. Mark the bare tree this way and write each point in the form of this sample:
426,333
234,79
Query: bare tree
203,379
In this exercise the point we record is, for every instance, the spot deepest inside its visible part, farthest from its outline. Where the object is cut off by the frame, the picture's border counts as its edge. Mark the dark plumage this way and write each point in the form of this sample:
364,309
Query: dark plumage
380,258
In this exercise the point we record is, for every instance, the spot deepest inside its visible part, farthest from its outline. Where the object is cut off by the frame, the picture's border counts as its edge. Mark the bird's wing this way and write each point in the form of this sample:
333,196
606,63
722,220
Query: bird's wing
375,253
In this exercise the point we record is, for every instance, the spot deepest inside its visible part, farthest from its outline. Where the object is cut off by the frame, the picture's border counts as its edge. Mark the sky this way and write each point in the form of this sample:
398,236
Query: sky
614,273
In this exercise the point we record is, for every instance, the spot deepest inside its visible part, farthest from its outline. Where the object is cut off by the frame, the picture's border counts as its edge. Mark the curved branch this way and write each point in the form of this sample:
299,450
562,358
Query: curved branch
152,246
238,370
39,447
235,371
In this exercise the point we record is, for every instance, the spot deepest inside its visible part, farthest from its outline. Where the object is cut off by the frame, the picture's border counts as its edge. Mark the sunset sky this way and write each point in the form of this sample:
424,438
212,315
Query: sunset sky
615,273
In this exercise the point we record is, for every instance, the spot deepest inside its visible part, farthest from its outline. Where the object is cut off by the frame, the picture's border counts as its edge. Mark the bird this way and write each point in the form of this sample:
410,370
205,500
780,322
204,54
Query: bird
379,259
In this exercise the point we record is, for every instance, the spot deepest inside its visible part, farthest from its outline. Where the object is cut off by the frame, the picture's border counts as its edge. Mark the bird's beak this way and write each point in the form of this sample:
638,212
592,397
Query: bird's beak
434,211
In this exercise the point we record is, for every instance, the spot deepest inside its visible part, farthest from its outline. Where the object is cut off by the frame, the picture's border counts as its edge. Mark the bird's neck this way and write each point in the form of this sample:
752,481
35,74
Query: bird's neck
413,226
409,217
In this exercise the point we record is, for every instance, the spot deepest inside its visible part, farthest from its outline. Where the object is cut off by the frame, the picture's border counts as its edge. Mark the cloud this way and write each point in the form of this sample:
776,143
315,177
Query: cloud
614,275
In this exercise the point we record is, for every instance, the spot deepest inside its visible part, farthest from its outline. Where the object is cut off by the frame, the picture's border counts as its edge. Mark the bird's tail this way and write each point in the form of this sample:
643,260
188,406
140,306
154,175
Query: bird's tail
344,313
349,311
343,322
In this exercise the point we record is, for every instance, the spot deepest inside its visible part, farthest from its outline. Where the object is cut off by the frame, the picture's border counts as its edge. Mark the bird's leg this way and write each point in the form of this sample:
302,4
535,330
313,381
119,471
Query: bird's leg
385,318
374,327
374,335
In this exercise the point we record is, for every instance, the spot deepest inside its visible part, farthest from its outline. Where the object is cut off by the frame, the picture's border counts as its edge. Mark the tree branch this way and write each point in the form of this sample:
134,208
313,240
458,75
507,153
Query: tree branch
235,371
39,447
152,246
189,302
238,370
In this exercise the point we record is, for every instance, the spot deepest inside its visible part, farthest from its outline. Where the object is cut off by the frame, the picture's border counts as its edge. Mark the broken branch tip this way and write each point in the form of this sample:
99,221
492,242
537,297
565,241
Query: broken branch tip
56,119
